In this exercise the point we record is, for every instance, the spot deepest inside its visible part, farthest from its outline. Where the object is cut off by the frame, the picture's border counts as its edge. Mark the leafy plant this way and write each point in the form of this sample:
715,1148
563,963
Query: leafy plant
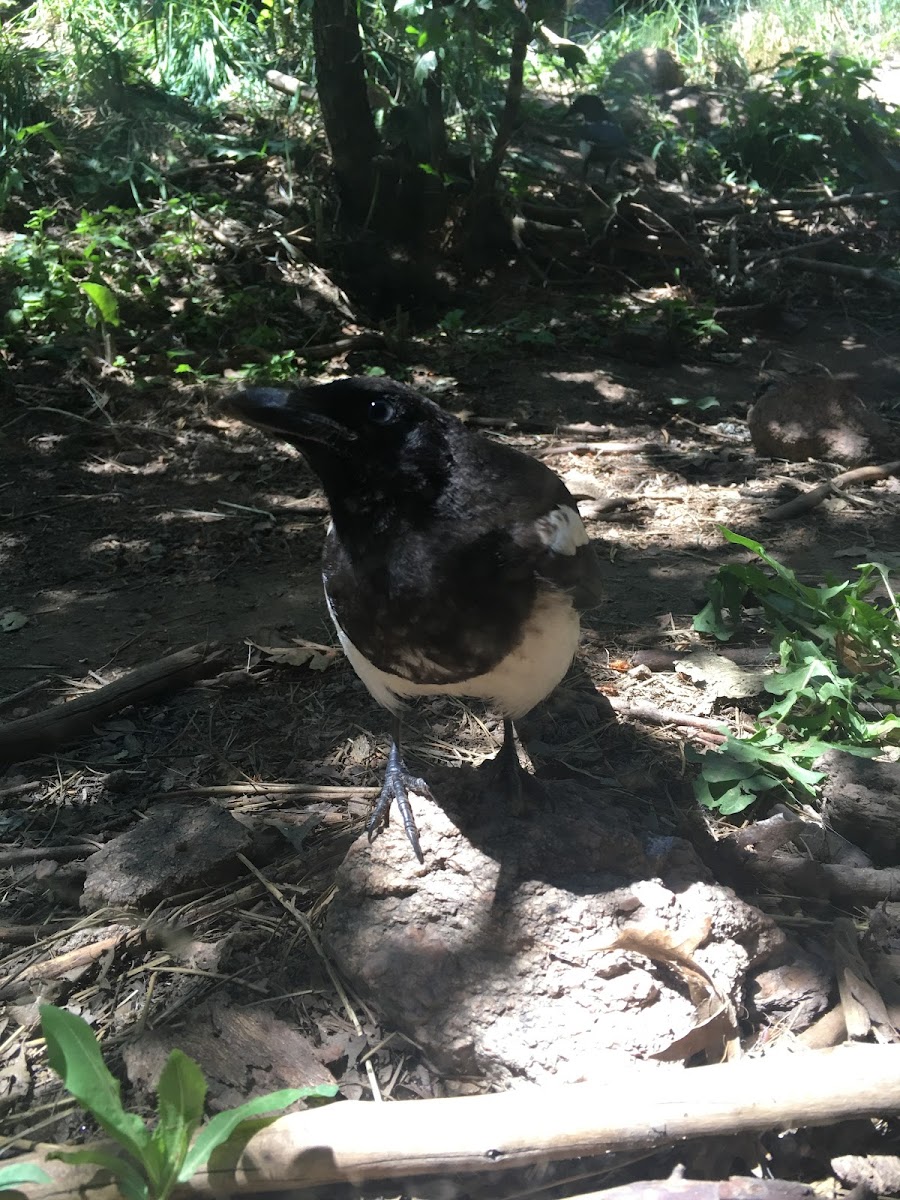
808,124
151,1162
13,1176
838,651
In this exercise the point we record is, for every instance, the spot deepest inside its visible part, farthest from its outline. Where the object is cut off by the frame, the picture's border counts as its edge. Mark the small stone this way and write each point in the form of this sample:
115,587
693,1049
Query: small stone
816,416
169,852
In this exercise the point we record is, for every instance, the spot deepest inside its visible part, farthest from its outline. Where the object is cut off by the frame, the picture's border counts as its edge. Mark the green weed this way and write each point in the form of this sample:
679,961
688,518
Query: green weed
838,653
150,1163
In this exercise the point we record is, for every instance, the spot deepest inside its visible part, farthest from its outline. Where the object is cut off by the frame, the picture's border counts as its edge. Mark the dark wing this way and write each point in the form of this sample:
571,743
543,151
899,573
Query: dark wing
542,520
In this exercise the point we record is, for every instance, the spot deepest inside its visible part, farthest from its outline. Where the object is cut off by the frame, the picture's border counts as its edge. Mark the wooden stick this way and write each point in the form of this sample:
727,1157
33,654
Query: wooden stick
64,964
599,448
843,271
814,497
705,211
16,855
47,731
22,693
666,716
735,1188
640,1111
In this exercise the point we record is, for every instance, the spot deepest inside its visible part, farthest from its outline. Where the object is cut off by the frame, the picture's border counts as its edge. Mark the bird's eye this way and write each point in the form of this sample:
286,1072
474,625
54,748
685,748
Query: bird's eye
381,412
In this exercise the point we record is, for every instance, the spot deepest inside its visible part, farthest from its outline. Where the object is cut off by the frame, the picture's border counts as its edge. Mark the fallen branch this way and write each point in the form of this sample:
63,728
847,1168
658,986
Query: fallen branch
846,200
63,965
515,425
814,497
289,85
310,791
786,875
362,341
23,693
28,854
47,731
667,716
843,271
735,1188
359,1142
600,448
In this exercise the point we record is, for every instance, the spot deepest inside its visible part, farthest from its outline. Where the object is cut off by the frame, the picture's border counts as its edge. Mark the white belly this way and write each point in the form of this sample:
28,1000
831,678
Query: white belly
520,681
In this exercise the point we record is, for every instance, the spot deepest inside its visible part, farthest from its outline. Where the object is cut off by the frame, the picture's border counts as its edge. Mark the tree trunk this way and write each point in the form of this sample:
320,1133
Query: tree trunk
341,84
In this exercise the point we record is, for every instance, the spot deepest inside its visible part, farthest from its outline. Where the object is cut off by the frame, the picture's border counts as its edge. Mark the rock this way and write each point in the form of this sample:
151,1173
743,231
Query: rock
861,801
880,1173
694,108
652,70
554,946
244,1053
818,417
792,992
169,852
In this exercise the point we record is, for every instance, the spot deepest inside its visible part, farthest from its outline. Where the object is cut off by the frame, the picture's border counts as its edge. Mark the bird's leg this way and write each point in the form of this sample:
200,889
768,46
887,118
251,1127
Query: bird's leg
507,770
398,783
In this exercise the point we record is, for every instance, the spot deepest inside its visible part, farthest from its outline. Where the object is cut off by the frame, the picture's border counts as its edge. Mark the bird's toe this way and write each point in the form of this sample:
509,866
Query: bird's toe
399,783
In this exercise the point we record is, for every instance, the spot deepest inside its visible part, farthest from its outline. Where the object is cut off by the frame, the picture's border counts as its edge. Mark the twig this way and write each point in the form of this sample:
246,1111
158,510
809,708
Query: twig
364,341
735,1188
47,731
290,85
291,908
599,448
23,854
311,790
666,716
814,497
16,789
843,271
844,201
23,693
25,935
358,1142
515,425
64,964
786,875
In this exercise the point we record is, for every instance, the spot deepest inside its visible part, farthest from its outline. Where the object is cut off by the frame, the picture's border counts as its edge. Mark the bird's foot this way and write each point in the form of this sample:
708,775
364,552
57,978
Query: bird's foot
508,778
399,781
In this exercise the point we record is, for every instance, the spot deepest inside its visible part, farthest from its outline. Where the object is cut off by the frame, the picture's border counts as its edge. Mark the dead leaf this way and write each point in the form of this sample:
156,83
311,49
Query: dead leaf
864,1009
301,654
715,1032
11,620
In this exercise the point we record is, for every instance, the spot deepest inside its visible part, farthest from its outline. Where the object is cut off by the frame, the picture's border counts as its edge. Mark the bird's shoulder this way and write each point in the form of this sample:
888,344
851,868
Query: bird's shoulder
523,510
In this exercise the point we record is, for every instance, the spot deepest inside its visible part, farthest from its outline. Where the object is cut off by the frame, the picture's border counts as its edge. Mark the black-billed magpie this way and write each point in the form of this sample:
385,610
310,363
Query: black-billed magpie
602,139
453,564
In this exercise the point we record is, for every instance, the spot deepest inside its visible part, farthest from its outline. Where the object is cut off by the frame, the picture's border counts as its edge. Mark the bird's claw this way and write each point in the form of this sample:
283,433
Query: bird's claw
398,783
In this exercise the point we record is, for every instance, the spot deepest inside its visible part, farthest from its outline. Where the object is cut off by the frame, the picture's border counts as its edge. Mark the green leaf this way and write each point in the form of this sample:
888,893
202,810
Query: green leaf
224,1124
74,1055
15,1174
134,1185
104,300
180,1098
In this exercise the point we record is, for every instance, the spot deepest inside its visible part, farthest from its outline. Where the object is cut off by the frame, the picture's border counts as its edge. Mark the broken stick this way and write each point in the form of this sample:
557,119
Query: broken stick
639,1110
810,499
47,731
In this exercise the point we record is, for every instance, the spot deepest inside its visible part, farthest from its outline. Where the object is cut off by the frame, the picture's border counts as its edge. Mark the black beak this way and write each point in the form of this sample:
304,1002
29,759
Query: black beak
294,414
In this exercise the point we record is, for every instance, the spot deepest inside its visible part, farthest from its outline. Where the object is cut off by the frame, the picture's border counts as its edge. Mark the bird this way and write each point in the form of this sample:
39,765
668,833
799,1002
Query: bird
602,139
453,564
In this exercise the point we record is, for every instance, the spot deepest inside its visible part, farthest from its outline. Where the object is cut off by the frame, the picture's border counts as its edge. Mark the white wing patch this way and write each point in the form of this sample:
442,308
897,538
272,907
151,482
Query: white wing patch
561,530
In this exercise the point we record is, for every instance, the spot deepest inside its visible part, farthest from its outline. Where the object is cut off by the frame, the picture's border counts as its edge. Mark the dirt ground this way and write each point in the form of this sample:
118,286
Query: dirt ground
135,525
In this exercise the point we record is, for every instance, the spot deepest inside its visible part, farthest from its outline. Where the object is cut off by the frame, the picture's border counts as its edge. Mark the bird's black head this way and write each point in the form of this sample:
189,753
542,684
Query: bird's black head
373,442
591,108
